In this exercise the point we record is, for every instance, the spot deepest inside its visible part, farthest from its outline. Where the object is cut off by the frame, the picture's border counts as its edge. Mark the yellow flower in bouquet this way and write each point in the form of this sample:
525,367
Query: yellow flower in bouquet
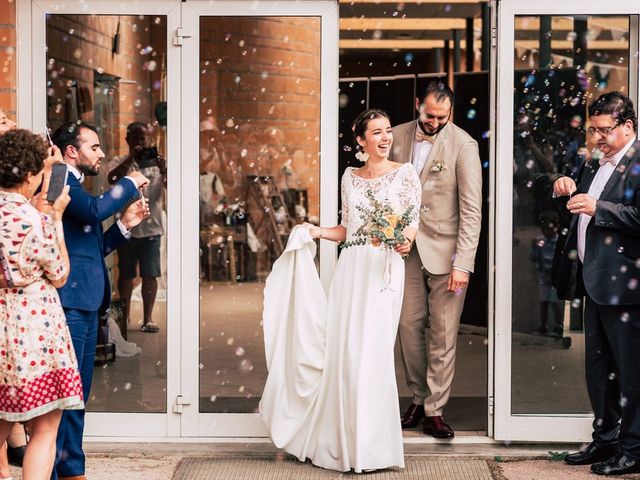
392,219
389,232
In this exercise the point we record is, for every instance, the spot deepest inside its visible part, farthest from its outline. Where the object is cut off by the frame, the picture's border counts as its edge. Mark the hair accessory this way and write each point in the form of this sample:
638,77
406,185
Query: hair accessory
362,156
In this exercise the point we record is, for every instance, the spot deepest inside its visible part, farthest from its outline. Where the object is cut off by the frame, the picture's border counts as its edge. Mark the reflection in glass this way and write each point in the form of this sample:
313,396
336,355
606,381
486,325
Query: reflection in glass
110,71
561,64
259,176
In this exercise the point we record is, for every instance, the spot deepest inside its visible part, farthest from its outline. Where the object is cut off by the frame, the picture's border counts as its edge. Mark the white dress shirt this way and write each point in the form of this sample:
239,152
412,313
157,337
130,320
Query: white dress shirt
80,176
421,151
595,190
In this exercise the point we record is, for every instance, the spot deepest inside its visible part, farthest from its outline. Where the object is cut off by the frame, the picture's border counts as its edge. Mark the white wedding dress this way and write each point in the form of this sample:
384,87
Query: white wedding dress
331,393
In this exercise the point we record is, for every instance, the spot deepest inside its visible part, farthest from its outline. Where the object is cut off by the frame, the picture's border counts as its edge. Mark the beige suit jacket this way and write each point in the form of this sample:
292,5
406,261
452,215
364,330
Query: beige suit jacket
451,211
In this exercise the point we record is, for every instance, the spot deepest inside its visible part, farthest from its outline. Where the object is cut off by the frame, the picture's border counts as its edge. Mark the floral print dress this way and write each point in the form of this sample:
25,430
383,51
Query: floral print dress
38,369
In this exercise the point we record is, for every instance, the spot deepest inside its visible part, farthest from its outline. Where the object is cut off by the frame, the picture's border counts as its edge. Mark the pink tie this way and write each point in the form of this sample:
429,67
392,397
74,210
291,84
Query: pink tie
604,160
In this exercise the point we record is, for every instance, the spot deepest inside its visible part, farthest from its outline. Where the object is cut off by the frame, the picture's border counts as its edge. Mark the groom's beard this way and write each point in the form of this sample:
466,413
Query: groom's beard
426,131
88,170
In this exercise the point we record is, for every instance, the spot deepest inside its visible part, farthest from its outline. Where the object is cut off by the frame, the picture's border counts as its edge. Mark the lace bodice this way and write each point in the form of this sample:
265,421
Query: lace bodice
400,188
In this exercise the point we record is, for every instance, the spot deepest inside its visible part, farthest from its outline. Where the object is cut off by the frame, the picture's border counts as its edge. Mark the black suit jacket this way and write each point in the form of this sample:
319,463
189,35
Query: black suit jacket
610,274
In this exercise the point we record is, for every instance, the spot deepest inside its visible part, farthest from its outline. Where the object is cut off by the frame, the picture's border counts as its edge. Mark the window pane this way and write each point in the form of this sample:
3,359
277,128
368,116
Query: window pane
259,176
110,71
562,64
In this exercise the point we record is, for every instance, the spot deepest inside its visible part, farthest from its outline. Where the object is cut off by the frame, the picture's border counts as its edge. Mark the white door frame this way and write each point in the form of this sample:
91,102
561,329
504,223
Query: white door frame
508,426
195,424
31,81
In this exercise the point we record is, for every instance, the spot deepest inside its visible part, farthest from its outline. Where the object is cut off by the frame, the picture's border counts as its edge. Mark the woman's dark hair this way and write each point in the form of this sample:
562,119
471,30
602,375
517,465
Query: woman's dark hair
21,152
438,89
361,122
69,134
619,106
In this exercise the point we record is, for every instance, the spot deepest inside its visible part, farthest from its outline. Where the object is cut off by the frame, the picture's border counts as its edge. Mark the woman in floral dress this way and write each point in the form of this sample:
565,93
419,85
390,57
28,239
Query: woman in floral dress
38,371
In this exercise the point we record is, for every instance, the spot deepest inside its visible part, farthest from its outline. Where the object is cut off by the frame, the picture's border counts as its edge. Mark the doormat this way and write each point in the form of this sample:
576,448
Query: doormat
282,466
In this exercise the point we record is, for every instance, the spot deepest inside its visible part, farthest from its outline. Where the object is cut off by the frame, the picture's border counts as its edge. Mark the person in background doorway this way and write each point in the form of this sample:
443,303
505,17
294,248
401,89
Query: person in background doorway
6,123
541,255
143,249
600,260
88,291
439,266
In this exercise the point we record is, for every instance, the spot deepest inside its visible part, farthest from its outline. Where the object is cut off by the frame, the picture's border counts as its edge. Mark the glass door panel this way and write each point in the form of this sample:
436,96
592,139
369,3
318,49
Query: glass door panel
110,72
254,122
560,59
561,64
115,69
258,176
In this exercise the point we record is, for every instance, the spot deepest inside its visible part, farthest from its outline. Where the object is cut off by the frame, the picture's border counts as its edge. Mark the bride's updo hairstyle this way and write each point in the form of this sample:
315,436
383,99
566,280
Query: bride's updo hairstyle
361,122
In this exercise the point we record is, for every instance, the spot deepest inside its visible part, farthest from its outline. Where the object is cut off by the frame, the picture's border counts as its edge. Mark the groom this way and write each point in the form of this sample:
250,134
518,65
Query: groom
88,290
438,269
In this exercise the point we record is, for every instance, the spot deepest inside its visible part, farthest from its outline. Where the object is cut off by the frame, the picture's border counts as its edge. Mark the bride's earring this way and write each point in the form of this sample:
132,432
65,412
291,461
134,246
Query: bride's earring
362,155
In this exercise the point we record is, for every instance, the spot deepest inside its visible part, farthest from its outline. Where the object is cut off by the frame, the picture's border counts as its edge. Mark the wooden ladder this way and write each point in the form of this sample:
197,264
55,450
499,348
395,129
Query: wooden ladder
262,189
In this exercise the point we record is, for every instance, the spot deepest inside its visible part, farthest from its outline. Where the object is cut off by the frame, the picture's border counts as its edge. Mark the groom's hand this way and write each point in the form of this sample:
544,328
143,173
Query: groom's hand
458,281
134,214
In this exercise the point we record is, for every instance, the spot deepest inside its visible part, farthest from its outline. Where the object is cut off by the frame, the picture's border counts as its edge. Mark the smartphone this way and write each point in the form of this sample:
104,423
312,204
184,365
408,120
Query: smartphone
59,174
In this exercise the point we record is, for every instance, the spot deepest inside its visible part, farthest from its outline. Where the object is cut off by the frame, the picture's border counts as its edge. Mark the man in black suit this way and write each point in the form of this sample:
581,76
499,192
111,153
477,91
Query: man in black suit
600,260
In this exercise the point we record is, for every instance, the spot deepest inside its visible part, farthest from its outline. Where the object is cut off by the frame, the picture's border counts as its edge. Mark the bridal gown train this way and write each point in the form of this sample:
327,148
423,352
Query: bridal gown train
331,393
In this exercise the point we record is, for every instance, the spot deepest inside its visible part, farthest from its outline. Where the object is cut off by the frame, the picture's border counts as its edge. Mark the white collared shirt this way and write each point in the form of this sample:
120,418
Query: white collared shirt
595,190
421,151
80,177
76,173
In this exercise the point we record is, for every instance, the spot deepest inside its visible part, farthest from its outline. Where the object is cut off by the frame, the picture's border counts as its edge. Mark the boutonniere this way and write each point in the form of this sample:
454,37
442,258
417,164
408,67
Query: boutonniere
438,166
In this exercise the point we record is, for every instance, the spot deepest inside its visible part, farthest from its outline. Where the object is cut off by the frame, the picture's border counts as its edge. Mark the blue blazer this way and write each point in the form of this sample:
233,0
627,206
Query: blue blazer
88,287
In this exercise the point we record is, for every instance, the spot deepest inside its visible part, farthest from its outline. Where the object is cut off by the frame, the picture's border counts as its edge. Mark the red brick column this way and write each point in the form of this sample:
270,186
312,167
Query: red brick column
8,56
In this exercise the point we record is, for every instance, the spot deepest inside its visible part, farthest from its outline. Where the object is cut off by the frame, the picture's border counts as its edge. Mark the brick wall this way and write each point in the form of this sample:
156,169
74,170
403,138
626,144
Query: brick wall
260,84
80,45
7,56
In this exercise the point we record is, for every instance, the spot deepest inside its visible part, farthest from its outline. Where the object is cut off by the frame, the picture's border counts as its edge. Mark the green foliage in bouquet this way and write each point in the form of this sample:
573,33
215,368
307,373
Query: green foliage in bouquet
381,225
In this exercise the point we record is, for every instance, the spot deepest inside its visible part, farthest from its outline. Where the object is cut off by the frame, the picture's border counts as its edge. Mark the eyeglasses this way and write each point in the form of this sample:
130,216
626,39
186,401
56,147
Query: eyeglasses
602,131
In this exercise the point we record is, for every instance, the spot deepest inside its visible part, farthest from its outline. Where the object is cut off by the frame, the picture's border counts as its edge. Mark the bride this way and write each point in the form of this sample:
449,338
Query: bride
331,393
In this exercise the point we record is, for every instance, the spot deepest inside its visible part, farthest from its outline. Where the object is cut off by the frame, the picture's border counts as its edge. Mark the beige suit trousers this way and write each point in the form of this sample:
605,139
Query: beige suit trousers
428,334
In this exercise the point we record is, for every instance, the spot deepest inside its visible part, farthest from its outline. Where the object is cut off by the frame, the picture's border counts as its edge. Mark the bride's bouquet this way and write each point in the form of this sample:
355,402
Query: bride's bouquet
381,226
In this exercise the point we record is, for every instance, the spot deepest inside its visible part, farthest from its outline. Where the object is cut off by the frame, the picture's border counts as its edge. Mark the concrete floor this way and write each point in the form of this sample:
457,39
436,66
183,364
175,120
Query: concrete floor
546,377
261,461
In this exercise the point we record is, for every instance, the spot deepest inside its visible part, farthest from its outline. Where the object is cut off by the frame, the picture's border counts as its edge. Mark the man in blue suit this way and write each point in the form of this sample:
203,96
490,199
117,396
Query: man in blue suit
87,290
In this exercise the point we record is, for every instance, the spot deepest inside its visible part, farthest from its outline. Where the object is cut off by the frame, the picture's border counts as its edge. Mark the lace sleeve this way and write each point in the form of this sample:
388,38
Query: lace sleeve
344,193
411,193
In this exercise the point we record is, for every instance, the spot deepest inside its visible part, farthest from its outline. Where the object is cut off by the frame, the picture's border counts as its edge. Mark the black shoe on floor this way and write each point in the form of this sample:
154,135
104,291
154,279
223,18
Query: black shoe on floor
412,416
437,427
592,453
617,465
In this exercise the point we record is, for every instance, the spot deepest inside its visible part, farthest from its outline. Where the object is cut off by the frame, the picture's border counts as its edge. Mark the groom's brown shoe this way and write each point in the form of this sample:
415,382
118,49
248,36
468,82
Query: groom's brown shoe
437,427
75,477
412,416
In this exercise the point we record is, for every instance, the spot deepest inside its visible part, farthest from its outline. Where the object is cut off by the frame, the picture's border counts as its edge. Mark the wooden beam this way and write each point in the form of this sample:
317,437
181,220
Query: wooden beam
424,2
393,44
404,23
568,44
426,24
566,23
389,44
